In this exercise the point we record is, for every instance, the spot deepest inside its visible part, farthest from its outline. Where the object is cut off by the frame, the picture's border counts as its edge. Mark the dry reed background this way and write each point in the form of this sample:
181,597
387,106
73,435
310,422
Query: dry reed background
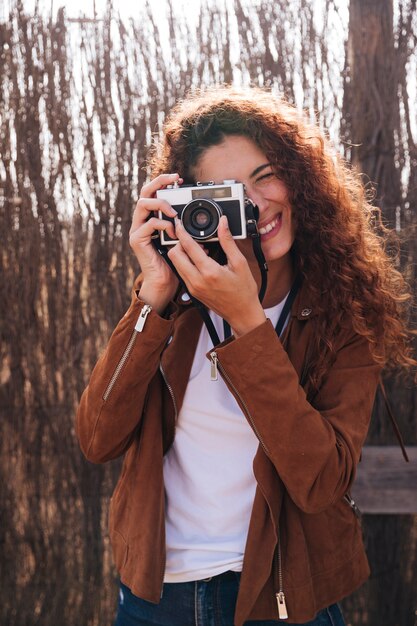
79,102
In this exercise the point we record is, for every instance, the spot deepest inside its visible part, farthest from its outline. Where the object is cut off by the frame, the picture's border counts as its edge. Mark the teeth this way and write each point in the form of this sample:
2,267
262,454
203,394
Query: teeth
268,227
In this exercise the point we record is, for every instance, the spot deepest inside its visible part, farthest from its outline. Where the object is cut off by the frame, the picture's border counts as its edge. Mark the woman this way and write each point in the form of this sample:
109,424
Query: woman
233,504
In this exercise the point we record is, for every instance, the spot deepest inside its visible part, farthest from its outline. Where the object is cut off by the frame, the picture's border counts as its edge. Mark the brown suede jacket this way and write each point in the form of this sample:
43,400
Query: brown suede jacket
304,547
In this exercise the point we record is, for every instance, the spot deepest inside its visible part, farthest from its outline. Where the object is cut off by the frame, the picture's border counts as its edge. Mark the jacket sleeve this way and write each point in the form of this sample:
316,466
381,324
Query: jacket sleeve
315,449
111,406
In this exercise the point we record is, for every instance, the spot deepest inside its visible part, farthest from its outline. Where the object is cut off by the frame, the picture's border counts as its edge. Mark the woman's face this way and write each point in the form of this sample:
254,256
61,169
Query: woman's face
240,159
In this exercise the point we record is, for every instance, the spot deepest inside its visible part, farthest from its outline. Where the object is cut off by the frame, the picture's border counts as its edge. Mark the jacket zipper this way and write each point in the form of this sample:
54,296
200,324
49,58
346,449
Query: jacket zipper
280,595
215,367
351,502
171,393
138,329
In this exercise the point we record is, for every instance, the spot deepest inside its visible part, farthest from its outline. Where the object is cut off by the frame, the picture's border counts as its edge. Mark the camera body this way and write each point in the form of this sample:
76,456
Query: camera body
200,207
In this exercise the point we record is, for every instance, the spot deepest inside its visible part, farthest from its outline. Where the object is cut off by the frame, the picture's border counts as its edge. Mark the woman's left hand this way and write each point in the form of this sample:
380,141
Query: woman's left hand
229,290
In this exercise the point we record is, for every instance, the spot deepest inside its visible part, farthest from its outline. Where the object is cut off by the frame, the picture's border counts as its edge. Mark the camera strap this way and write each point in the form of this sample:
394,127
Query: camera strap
252,216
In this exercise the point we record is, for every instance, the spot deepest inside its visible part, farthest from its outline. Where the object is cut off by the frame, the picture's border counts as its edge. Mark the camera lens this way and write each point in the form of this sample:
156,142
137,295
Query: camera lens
201,217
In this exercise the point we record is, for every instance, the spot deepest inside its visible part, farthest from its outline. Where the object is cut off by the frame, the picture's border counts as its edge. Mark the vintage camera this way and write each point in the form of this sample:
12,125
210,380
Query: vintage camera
201,206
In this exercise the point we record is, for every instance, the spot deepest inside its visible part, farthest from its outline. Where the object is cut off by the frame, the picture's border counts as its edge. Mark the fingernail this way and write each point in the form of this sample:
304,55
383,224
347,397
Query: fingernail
177,221
173,213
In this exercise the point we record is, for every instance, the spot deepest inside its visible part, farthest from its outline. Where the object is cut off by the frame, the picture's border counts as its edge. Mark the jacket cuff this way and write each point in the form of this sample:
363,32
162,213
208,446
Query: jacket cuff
170,312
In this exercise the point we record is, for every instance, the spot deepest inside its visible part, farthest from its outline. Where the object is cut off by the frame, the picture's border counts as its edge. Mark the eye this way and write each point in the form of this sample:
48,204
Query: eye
265,176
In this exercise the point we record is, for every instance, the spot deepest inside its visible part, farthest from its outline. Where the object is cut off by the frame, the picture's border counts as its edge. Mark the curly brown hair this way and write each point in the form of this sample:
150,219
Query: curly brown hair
340,243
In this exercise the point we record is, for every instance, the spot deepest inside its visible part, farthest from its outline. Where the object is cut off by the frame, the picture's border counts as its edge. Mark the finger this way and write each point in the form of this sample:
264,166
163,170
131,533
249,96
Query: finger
191,247
147,229
227,242
183,264
146,206
160,182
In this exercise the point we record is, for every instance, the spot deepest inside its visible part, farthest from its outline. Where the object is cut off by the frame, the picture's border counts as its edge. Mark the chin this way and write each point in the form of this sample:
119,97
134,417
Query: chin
274,253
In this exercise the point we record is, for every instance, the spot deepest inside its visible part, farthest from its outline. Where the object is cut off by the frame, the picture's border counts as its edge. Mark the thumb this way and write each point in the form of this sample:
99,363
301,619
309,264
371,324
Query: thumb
226,240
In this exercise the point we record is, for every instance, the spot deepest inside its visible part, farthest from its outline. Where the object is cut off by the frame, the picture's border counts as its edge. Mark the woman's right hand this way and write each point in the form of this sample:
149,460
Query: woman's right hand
159,282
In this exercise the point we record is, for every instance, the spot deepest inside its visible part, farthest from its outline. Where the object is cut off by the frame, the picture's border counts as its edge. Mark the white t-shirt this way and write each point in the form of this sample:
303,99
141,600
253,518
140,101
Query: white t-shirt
209,481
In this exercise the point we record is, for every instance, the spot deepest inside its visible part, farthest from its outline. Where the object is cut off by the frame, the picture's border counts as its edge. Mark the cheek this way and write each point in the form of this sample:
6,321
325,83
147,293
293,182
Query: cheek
280,192
291,230
288,217
292,223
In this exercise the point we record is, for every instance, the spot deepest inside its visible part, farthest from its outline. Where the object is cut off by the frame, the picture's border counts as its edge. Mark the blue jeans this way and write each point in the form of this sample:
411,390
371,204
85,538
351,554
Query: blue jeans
208,602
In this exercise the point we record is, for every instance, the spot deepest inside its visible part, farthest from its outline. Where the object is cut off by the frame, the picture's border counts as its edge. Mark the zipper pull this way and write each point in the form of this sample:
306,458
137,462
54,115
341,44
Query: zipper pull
213,358
351,502
282,607
142,318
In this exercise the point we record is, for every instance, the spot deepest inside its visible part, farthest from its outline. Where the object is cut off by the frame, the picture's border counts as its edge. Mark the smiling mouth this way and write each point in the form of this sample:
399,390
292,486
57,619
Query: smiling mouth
271,225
